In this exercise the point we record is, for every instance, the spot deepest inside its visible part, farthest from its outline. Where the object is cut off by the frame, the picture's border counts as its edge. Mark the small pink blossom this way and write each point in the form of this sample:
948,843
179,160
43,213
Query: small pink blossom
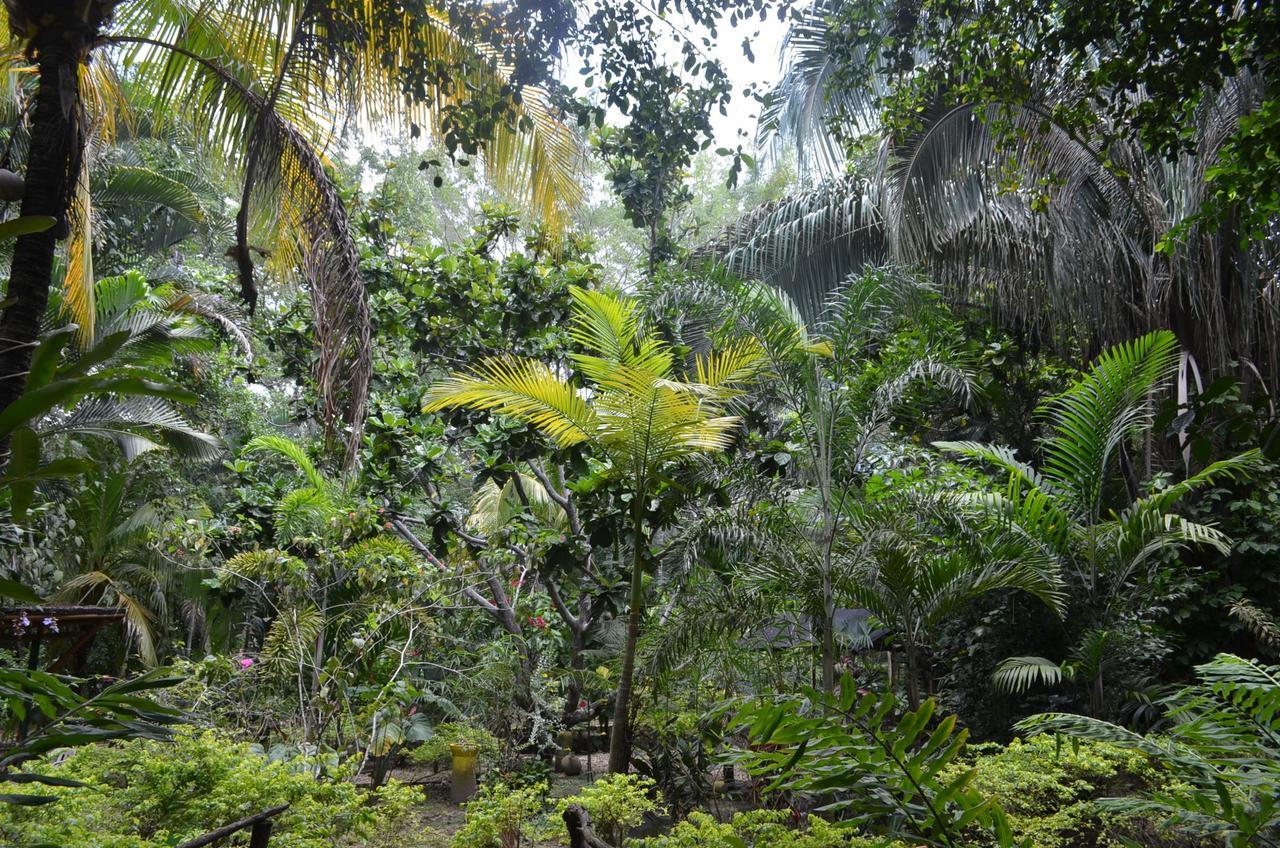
246,662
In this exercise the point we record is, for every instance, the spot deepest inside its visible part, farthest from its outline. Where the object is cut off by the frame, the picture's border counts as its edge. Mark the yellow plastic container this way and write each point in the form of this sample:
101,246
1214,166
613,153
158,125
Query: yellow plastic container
463,778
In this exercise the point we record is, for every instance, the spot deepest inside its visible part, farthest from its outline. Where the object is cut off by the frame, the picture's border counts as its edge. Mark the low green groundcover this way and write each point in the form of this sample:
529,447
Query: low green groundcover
1048,789
143,794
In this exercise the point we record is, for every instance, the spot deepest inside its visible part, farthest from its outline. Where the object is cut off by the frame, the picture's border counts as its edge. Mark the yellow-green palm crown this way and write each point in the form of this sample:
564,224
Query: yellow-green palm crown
634,407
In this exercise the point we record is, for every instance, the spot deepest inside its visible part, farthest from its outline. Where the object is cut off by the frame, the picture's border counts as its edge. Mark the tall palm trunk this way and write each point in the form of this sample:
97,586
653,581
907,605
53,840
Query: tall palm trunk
53,166
620,731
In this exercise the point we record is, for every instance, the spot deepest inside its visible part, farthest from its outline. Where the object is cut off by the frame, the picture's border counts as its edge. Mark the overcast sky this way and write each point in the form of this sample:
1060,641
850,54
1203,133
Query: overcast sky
766,40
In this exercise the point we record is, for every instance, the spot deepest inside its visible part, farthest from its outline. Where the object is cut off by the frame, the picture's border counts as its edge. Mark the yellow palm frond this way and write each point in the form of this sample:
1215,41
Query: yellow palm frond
493,507
711,435
731,368
78,282
523,389
608,326
106,108
138,618
603,322
637,414
537,157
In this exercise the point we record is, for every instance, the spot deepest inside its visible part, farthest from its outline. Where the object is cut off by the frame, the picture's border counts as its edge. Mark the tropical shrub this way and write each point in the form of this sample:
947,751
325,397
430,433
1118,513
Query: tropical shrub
148,794
879,770
760,829
617,804
1048,790
502,816
1221,743
1104,534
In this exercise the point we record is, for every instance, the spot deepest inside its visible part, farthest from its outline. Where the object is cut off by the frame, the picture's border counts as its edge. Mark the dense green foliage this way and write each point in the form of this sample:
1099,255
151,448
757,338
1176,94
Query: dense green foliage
1049,789
142,794
759,829
795,481
1219,745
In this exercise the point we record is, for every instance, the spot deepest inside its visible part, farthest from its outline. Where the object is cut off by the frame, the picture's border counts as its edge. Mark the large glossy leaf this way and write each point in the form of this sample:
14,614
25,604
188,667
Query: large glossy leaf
25,225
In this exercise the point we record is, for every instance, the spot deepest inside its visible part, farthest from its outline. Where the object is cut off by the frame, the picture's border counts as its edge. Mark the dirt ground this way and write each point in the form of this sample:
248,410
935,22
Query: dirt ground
437,818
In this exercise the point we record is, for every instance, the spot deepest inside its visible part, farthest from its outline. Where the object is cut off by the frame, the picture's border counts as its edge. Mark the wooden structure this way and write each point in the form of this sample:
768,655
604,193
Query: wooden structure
259,827
60,635
66,631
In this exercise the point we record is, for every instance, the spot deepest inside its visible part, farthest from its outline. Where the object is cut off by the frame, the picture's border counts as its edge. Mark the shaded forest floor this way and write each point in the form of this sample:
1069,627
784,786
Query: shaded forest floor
436,819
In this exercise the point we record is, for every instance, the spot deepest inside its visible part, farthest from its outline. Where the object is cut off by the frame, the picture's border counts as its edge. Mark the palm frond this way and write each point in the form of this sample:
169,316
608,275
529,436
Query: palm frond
731,367
808,244
1019,674
136,425
1109,404
107,589
292,451
523,389
997,456
493,507
802,108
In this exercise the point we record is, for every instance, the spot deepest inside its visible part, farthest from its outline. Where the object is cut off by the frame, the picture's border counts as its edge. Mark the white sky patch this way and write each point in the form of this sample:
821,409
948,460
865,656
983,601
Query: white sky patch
766,41
765,37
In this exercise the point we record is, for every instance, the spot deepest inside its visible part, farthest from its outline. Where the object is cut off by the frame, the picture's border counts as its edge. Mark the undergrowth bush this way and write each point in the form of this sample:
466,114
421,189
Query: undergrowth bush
147,794
759,829
617,804
1049,789
435,751
502,816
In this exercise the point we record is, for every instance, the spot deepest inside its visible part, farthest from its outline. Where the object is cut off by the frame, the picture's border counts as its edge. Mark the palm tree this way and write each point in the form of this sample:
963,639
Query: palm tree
1064,242
1102,531
111,562
140,331
840,429
913,563
636,411
267,86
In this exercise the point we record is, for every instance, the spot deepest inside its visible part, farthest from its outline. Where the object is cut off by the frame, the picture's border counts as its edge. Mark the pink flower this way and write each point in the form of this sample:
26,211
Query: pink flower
538,622
246,662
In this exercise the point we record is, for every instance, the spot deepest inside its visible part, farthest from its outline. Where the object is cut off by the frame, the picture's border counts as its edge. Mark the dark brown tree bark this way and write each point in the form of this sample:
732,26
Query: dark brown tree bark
59,47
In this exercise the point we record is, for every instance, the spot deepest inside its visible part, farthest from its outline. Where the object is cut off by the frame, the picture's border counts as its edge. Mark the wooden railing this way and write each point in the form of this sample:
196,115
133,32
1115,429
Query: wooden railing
258,825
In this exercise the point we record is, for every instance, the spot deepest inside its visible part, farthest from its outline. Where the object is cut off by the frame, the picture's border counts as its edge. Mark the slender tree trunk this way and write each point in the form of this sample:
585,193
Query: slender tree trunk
913,676
828,626
317,660
53,166
573,693
620,732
